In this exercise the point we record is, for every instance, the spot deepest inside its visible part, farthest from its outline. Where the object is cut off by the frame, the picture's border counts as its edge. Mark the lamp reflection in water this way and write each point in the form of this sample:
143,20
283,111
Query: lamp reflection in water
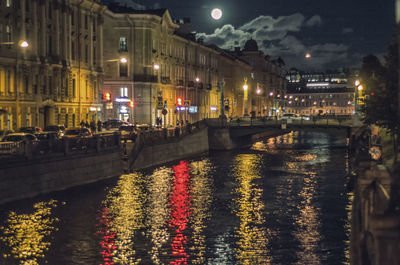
201,184
180,210
252,246
27,235
159,187
122,216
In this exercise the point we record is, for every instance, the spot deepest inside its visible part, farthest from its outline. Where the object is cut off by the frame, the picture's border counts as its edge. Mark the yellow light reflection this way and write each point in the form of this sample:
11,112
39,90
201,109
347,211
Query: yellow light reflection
252,233
201,201
308,232
158,211
27,235
122,217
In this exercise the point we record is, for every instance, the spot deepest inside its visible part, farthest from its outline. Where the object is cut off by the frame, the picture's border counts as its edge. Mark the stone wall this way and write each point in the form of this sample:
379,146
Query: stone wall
182,148
31,178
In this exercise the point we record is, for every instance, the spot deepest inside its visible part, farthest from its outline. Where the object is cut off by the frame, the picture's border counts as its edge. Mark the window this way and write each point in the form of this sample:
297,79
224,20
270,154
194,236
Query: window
94,55
123,69
73,17
86,21
73,51
94,25
50,45
86,53
124,92
8,3
66,120
8,33
28,120
26,85
66,87
27,5
73,87
123,44
50,15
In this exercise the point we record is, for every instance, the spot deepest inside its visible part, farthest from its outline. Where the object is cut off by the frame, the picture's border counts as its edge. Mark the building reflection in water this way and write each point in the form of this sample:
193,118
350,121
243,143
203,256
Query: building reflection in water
121,218
27,235
252,244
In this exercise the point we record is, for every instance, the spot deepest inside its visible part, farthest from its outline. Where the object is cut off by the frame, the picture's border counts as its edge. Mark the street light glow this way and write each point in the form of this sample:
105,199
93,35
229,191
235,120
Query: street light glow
357,83
258,91
123,60
156,66
360,87
197,79
245,87
216,13
24,44
308,55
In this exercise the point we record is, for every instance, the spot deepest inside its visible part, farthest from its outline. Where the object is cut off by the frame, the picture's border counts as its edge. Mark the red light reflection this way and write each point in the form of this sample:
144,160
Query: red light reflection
180,211
107,243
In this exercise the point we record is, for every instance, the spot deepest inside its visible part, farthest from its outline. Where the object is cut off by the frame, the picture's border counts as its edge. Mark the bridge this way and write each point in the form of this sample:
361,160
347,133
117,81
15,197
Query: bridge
226,135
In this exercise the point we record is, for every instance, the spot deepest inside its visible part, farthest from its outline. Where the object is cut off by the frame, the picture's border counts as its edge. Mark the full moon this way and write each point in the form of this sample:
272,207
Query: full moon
216,13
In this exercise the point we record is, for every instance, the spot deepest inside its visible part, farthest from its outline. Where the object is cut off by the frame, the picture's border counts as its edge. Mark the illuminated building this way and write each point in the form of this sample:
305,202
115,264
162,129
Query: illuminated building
57,78
319,93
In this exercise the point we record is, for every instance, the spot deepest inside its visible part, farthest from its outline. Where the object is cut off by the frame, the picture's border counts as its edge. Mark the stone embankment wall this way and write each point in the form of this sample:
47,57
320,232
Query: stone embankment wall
34,177
171,149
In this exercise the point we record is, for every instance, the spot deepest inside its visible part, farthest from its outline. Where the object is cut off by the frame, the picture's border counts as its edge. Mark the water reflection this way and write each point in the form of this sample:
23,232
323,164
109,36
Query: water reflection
252,244
122,216
201,201
27,235
159,187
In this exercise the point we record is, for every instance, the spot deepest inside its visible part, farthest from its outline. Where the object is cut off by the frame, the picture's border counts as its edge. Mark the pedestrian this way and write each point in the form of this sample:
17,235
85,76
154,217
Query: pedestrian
86,124
93,126
82,124
99,125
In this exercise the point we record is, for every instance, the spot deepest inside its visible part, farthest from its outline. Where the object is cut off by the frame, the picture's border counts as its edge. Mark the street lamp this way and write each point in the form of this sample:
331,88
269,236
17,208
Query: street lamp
23,44
245,96
357,96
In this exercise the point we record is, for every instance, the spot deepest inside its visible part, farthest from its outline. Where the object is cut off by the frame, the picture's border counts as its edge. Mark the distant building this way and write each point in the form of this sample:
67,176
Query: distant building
57,78
330,93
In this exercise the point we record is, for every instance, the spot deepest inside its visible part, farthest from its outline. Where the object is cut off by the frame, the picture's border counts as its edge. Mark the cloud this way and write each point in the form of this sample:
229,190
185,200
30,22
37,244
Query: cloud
281,36
347,30
314,21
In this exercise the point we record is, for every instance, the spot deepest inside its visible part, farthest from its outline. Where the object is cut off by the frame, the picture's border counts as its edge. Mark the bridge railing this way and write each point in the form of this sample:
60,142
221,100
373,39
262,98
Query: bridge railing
314,120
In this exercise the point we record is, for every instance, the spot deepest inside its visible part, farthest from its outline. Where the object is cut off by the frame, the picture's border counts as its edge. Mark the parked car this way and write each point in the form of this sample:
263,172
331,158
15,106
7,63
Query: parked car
3,133
47,141
59,129
77,132
114,124
291,116
128,131
31,130
21,137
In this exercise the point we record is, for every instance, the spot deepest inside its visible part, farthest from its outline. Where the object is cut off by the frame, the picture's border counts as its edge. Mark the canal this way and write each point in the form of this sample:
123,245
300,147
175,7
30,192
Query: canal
281,201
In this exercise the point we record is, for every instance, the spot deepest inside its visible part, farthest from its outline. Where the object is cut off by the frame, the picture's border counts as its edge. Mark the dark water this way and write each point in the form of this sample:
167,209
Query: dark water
282,201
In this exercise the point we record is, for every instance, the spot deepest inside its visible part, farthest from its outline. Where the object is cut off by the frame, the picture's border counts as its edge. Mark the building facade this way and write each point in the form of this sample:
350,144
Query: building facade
319,94
56,79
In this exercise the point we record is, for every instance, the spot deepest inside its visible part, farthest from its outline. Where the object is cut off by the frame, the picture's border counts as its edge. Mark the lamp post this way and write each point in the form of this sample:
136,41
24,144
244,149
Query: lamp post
357,96
156,68
245,97
222,98
21,44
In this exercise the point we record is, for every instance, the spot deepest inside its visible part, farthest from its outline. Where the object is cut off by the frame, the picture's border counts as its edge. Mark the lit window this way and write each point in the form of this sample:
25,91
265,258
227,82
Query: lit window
123,44
124,92
8,4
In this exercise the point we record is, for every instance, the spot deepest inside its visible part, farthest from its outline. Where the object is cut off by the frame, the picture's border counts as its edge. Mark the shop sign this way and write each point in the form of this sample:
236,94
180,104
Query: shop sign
122,100
193,109
213,108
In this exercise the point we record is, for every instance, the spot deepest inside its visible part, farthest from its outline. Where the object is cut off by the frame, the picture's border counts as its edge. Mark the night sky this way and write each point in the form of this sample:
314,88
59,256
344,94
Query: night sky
337,33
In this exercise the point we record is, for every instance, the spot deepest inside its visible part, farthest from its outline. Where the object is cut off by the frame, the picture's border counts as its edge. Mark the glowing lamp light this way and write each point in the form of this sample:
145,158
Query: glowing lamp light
308,55
132,103
156,66
372,93
357,83
315,103
24,44
271,94
348,102
258,91
360,87
279,95
123,60
285,96
245,87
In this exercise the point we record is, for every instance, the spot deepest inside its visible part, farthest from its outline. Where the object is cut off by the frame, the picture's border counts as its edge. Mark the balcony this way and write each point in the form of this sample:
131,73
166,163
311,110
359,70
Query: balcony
145,78
165,80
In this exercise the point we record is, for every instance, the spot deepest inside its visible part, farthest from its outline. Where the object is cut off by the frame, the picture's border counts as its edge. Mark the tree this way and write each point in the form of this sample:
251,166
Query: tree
381,90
